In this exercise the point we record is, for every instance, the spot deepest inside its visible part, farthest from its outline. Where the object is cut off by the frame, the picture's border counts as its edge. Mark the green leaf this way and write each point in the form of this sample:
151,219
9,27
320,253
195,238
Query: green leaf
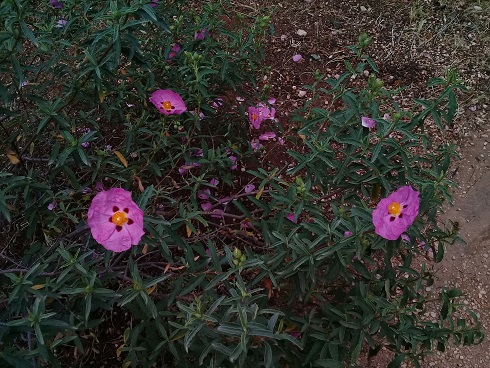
328,363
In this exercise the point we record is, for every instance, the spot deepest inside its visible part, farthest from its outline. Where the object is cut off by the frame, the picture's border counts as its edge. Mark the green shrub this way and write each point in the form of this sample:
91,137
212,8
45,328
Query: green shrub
265,276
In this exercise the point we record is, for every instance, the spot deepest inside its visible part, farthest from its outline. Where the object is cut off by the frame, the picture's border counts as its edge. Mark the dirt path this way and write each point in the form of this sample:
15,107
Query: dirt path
467,266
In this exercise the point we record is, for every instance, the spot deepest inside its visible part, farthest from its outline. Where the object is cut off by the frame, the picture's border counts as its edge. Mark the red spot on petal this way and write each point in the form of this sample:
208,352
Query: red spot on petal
126,210
118,228
392,219
130,222
115,209
110,219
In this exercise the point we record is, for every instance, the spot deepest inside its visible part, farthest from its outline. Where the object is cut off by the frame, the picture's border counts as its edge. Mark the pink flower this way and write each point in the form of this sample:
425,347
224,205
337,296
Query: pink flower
153,3
115,220
267,136
394,214
271,101
347,233
200,35
168,102
367,122
248,188
291,218
214,182
405,238
206,206
297,58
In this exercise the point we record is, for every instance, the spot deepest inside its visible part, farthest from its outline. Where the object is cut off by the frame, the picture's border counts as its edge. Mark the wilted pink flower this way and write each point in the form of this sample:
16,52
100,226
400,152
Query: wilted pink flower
280,140
271,101
472,108
405,238
367,122
168,102
153,3
257,114
255,144
233,159
201,115
200,35
291,218
297,58
56,4
214,182
387,117
174,50
52,206
254,117
239,98
217,103
267,136
116,222
188,166
347,233
394,214
61,23
249,187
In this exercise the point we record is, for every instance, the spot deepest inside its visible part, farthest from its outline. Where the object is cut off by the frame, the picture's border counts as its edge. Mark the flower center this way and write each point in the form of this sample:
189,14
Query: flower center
167,105
254,116
394,209
119,218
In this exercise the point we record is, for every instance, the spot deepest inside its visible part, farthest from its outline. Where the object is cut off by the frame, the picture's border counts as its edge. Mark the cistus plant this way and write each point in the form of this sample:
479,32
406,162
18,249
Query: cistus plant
131,236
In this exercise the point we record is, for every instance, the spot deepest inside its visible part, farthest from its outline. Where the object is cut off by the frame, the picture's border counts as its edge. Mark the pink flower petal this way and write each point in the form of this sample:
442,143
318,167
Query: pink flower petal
297,58
206,206
267,136
204,194
367,122
255,144
291,218
248,188
200,35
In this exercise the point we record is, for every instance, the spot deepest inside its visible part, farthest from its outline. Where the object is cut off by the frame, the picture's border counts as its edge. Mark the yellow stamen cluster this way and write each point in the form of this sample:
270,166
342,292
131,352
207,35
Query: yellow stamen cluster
119,218
394,208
